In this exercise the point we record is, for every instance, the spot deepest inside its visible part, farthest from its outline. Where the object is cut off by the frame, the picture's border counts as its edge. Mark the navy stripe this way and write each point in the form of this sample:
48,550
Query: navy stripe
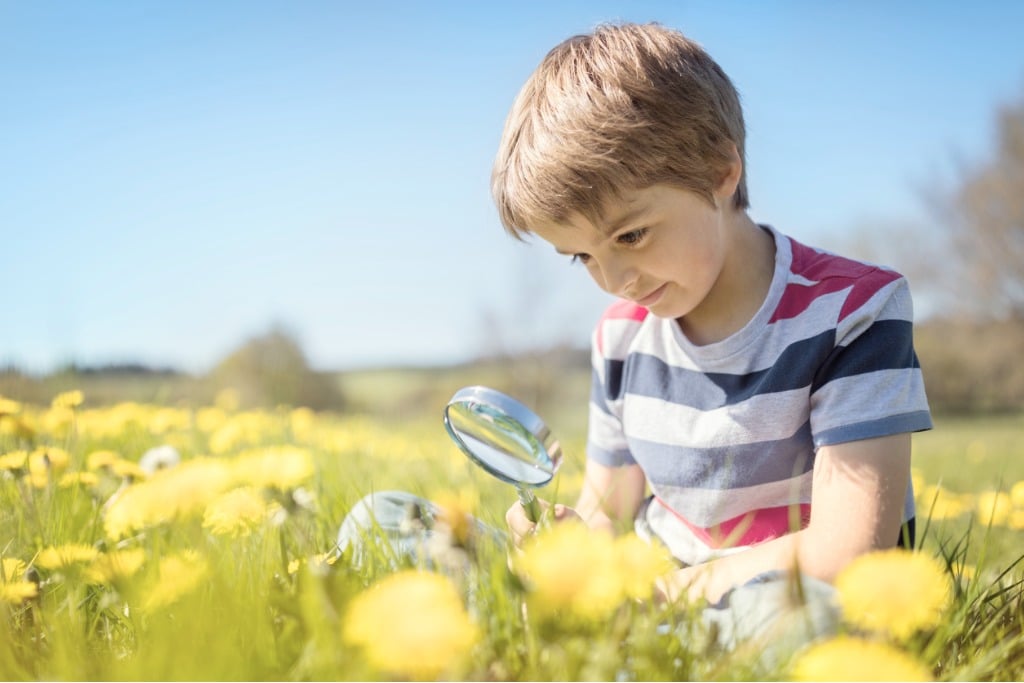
726,467
602,456
916,421
646,375
886,345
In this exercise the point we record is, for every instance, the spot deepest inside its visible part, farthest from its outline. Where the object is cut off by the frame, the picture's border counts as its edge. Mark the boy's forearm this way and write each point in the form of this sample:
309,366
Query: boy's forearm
796,551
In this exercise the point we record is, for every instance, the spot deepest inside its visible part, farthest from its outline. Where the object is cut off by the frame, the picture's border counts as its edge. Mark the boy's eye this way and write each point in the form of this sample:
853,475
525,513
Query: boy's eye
633,236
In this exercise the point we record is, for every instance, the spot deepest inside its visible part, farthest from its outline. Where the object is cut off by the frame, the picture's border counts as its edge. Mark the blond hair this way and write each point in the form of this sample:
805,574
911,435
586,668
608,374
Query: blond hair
623,108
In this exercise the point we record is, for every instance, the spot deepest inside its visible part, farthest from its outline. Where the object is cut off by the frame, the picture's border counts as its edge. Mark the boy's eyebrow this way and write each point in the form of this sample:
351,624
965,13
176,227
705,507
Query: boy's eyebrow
615,225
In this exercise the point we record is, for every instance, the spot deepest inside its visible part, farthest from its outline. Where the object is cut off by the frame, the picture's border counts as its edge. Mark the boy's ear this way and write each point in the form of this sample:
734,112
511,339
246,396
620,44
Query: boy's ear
733,172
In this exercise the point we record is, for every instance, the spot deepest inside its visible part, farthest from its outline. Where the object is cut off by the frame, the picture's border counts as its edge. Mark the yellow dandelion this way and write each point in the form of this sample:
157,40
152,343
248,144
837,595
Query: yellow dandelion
411,625
177,576
639,563
282,467
115,566
1017,494
97,459
456,512
18,428
128,469
1016,520
9,407
210,419
72,479
570,570
48,459
852,659
942,503
236,513
61,556
17,592
11,569
169,494
15,460
994,508
893,591
68,399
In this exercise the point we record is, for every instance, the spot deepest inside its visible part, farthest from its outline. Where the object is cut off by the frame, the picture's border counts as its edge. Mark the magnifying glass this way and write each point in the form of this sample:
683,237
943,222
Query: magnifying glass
505,438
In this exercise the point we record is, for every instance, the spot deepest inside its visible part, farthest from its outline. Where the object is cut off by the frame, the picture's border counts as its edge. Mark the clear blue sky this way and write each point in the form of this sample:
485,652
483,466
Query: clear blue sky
178,176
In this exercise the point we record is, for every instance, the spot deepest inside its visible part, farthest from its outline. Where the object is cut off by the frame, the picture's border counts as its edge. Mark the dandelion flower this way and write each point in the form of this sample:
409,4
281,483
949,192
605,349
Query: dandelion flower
114,566
15,460
942,503
1017,494
11,569
283,467
570,570
177,576
72,479
456,512
9,407
169,494
98,459
639,563
128,470
852,659
994,508
61,556
68,399
411,624
893,591
236,513
18,592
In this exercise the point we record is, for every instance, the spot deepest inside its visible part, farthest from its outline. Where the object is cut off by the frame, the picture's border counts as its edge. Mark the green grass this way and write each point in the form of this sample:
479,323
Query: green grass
265,609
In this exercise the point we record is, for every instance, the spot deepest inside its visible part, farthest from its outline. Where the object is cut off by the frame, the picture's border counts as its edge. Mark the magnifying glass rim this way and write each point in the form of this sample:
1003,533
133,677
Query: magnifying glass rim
517,412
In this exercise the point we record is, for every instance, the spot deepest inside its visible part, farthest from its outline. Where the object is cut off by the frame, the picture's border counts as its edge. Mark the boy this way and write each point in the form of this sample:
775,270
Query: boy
763,390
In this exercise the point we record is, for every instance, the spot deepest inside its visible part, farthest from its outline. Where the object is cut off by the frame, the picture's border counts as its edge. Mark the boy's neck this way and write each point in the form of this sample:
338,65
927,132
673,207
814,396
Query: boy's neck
742,286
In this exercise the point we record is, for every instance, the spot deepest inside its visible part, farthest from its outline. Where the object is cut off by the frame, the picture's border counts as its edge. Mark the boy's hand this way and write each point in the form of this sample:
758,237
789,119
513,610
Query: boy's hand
521,527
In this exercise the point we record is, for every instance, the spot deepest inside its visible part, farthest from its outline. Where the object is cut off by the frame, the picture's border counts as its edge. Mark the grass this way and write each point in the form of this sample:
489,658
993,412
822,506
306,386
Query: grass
263,596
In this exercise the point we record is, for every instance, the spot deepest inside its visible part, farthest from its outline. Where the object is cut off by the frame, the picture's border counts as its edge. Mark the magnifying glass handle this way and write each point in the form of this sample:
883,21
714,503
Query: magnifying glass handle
529,503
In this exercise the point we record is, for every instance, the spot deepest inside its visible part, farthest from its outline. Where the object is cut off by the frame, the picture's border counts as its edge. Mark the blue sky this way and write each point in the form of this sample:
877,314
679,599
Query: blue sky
179,176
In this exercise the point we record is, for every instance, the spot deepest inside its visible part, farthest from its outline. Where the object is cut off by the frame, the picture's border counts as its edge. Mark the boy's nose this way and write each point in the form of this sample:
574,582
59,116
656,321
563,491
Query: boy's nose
617,278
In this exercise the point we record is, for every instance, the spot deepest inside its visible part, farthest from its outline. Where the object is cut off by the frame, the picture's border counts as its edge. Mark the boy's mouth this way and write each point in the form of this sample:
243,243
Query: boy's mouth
651,298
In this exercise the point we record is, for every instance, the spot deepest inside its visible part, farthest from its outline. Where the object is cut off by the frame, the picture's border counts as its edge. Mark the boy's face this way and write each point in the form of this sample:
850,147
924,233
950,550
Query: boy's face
661,247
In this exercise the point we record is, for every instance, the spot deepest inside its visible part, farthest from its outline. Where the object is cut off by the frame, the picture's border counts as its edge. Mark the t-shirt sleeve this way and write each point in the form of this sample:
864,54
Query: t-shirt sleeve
870,385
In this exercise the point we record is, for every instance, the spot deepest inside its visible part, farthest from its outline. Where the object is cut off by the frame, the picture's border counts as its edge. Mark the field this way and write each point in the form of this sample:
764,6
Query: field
225,566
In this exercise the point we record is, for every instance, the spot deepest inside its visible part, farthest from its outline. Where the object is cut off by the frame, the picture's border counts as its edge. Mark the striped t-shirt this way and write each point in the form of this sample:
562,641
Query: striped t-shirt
726,433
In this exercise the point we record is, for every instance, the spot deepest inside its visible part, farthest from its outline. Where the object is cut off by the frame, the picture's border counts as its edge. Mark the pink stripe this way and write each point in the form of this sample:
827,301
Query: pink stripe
621,309
829,273
749,528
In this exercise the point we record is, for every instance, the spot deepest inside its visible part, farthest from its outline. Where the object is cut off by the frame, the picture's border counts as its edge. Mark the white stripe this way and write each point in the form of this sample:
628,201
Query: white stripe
708,507
766,417
870,396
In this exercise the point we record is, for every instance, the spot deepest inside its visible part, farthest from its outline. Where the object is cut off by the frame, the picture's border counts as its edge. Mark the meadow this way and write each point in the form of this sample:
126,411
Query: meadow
224,566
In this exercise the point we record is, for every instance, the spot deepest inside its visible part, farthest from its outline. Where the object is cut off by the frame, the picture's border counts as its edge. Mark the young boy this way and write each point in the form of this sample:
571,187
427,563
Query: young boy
764,391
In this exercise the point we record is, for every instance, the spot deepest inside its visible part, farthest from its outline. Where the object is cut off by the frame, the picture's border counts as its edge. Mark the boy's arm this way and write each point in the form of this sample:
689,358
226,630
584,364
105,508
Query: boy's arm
611,496
856,506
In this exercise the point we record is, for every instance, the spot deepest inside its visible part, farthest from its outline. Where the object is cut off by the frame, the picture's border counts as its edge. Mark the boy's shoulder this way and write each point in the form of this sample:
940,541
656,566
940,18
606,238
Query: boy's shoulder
815,273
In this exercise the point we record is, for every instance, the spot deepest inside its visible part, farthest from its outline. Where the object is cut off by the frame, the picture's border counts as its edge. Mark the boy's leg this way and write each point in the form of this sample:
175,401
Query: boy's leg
774,615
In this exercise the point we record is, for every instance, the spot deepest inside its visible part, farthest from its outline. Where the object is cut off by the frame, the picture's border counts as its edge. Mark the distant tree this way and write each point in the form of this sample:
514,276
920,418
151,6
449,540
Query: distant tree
976,254
271,369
